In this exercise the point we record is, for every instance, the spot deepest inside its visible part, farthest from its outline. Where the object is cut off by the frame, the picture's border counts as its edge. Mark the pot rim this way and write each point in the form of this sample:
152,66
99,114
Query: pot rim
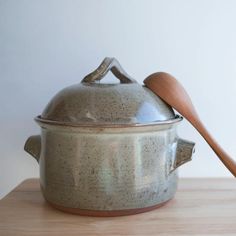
39,120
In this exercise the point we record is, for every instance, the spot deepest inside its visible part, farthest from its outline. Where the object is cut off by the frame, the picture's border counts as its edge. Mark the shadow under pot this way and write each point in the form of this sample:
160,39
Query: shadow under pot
108,149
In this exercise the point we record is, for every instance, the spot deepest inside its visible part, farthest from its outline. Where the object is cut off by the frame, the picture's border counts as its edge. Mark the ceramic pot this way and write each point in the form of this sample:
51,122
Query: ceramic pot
108,149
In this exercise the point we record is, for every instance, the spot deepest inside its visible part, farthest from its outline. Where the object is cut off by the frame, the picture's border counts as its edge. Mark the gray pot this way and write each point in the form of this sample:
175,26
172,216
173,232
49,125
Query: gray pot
108,149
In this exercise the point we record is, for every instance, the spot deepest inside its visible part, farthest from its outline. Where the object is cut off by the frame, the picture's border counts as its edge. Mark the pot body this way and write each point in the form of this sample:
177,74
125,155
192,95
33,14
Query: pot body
109,169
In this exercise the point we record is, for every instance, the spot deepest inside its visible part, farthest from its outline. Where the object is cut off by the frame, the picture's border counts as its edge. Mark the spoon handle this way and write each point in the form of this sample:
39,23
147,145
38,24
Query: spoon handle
219,151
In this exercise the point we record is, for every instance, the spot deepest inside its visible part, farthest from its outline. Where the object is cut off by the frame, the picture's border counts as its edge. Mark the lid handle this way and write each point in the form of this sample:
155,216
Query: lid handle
109,64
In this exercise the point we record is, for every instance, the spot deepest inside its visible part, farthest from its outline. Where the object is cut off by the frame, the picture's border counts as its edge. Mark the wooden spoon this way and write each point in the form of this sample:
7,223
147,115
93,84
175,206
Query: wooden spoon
172,92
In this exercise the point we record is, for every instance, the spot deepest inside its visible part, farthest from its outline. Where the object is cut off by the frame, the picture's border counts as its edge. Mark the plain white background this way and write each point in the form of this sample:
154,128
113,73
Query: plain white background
47,45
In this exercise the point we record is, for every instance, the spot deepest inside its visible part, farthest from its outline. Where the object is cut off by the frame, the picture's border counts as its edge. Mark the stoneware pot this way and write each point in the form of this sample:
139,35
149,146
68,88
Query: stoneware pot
108,149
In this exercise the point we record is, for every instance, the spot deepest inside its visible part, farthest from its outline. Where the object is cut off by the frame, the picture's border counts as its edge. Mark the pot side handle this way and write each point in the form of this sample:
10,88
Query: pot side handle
33,146
183,154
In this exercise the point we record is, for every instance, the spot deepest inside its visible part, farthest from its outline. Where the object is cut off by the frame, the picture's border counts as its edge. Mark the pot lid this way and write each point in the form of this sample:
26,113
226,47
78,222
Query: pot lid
93,103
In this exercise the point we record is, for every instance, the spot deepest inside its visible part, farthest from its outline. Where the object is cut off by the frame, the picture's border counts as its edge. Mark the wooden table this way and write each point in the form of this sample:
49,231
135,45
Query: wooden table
201,207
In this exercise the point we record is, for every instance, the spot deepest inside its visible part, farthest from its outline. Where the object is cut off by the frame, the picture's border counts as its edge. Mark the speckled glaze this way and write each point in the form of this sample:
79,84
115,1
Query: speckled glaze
107,104
108,148
110,168
93,103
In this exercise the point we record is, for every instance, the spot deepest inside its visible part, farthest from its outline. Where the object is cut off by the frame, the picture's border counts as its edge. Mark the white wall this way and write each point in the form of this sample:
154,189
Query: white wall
47,45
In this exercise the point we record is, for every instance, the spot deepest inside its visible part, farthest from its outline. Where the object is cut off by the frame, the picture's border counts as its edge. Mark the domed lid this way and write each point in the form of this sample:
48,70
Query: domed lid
94,103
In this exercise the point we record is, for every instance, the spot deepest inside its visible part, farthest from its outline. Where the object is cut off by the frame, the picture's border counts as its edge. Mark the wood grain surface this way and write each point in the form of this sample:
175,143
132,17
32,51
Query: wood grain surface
200,207
172,92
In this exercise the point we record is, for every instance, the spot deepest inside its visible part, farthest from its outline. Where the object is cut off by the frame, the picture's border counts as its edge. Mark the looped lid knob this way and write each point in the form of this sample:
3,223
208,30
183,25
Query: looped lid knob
99,104
108,64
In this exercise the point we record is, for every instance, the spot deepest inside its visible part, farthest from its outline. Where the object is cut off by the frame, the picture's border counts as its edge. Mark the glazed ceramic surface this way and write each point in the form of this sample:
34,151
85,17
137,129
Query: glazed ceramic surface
107,104
108,147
